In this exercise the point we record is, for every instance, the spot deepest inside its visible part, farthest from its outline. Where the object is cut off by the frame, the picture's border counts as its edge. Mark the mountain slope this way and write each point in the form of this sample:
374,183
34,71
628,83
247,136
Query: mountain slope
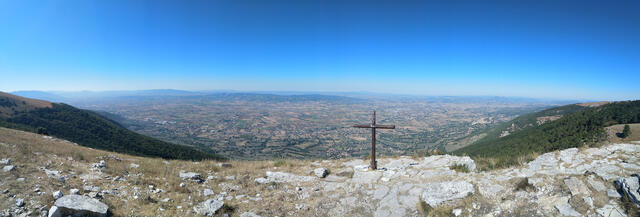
582,127
86,128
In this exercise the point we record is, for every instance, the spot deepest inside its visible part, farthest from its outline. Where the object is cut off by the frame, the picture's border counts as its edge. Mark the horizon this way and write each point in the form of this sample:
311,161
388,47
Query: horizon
570,50
61,93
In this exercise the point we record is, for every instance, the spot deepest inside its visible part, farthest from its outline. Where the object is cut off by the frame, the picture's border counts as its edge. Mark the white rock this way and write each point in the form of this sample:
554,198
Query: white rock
182,184
588,201
262,180
288,177
189,175
19,202
80,205
595,183
208,192
613,193
456,212
611,210
576,186
208,207
5,161
57,194
566,210
8,168
437,193
321,172
133,165
630,187
74,191
249,214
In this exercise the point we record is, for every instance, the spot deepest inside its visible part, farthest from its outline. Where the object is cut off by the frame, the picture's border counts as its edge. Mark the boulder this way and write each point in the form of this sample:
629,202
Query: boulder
208,207
77,205
321,172
8,168
630,187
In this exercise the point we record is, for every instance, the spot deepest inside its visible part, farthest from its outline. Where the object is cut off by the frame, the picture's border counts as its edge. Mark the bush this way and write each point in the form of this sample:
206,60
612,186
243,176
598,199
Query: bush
42,131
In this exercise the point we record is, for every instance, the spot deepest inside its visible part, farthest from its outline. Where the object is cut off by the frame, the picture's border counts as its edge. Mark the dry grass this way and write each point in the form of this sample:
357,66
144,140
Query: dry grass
29,152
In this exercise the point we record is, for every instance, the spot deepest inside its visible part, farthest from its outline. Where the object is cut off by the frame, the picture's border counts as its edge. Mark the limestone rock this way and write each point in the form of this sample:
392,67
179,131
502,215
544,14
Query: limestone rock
611,210
19,202
133,166
5,161
208,207
288,177
613,193
57,195
566,210
208,192
8,168
321,172
438,193
248,214
456,212
54,212
190,176
74,191
576,186
630,187
262,180
77,205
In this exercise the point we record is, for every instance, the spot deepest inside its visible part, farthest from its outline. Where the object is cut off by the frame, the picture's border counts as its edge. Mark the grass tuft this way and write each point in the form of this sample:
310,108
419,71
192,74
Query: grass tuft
462,168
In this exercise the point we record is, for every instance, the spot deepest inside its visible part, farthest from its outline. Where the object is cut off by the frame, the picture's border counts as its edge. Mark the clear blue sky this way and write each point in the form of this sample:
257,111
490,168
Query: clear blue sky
551,49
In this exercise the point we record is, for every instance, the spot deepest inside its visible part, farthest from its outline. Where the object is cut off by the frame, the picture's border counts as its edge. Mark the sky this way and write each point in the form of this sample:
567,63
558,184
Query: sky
542,49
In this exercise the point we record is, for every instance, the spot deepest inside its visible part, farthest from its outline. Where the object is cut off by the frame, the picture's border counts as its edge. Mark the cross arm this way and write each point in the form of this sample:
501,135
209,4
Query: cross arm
362,126
381,126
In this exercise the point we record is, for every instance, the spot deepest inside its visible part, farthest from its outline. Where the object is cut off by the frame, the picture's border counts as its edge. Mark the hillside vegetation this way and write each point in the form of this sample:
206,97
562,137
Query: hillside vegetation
88,129
579,128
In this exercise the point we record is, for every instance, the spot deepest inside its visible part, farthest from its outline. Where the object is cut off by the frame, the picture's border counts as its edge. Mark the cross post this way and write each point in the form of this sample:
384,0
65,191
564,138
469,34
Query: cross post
373,127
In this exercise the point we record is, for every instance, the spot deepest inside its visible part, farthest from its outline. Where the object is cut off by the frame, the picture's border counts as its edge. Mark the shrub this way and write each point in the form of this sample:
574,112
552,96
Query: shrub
626,132
462,168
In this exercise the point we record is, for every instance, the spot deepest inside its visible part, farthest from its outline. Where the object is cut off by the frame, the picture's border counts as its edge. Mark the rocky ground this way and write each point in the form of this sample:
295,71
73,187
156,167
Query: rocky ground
44,176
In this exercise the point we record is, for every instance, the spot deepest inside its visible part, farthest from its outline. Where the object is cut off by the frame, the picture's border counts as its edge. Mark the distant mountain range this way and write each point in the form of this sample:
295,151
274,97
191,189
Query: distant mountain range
86,128
82,96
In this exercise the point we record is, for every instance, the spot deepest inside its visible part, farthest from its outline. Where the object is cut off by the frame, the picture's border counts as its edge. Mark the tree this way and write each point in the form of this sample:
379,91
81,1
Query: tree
626,132
42,130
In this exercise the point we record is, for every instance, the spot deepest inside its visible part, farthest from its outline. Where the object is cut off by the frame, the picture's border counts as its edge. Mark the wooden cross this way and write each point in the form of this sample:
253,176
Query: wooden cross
373,127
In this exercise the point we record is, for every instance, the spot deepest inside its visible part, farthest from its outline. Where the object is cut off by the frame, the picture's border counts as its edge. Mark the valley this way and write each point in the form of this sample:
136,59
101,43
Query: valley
267,126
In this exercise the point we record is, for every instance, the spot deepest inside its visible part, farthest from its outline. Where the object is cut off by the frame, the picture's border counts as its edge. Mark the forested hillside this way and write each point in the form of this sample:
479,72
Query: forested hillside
582,127
89,129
